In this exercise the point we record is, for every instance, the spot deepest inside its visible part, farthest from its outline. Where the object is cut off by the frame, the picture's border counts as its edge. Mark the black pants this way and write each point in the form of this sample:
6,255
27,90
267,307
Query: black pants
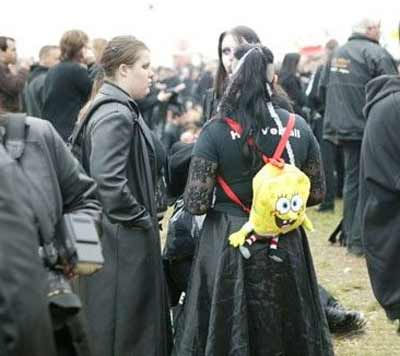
351,210
332,158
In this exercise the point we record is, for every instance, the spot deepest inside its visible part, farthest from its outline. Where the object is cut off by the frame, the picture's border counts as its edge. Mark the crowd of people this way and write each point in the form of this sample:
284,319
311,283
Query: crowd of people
94,129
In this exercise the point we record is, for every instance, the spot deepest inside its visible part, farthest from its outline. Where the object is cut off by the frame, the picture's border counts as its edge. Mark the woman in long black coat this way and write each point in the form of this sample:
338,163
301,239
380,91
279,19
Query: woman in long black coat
126,302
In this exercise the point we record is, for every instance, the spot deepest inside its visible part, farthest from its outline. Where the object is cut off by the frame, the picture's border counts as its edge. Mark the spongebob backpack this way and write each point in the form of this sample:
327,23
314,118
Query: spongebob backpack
280,194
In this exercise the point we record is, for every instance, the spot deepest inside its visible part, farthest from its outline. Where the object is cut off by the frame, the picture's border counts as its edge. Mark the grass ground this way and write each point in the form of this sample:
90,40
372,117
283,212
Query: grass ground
347,279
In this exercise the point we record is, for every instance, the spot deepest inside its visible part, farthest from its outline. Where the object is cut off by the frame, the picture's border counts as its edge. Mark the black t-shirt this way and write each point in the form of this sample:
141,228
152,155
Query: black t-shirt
220,144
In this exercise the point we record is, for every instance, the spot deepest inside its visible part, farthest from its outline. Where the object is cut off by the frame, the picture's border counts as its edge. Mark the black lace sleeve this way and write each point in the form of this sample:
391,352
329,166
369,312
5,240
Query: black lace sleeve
314,170
201,182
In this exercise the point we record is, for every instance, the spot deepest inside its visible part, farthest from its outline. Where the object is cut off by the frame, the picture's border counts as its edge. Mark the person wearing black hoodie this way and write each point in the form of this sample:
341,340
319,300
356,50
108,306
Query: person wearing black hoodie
380,191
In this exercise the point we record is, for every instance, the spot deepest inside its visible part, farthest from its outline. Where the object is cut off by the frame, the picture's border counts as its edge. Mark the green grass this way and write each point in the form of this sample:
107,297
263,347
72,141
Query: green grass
346,277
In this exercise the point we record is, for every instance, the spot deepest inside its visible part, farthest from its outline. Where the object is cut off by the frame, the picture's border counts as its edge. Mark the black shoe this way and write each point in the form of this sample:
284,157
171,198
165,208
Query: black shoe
326,207
342,321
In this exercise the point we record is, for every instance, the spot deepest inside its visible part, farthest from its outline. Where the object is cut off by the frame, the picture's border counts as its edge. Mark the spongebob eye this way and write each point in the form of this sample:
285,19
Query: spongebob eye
296,203
283,205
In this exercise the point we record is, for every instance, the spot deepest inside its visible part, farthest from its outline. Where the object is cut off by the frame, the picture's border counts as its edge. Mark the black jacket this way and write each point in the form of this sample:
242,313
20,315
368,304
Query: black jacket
33,96
352,66
25,326
67,88
380,190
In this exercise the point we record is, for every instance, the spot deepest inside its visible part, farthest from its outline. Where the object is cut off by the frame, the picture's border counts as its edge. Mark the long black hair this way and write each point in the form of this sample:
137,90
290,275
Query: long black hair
289,64
247,99
242,34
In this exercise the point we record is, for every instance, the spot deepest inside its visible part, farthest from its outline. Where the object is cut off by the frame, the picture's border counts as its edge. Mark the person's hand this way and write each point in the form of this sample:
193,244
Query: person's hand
160,86
164,96
88,55
179,87
13,69
160,218
25,63
69,271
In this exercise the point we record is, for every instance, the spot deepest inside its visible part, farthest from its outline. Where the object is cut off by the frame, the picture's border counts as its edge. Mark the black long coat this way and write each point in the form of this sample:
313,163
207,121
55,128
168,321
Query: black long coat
126,302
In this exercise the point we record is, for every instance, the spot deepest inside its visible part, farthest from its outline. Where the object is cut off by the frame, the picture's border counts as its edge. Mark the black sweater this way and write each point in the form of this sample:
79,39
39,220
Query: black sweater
67,88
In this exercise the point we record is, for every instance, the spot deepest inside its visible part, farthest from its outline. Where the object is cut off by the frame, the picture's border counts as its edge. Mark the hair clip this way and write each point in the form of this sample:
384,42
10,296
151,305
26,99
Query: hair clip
115,49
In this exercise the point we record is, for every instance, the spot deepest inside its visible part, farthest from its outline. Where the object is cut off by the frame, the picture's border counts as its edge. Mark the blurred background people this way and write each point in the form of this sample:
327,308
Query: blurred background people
352,66
33,93
332,154
289,79
68,85
13,75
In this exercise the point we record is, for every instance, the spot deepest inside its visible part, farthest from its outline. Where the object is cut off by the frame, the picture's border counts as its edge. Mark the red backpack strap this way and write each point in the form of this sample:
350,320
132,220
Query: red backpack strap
231,194
285,137
234,125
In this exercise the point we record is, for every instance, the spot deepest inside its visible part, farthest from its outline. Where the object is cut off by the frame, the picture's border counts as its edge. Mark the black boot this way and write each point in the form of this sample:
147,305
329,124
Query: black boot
343,321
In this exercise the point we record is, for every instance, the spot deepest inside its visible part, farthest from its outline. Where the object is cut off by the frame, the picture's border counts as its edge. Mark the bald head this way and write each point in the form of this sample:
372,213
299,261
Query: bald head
49,56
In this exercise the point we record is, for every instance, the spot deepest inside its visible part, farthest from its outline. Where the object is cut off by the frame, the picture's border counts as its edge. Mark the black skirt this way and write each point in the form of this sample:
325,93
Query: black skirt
255,306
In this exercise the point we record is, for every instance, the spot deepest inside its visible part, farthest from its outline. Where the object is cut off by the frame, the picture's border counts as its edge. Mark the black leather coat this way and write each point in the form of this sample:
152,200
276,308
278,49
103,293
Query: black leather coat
126,302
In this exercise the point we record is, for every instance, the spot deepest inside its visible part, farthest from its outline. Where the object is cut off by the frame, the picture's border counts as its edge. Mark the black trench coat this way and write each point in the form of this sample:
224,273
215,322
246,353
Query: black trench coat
126,302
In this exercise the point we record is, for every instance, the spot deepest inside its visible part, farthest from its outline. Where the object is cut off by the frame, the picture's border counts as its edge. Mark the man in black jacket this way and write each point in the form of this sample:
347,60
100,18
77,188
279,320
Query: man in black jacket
33,94
380,191
353,65
68,85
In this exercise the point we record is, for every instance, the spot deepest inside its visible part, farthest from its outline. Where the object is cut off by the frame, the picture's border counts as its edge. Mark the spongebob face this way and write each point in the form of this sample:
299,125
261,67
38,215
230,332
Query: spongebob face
279,199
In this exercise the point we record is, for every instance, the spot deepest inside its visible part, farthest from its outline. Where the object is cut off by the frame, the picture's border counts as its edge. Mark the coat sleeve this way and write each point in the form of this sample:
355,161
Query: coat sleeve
381,63
111,137
77,189
83,82
12,84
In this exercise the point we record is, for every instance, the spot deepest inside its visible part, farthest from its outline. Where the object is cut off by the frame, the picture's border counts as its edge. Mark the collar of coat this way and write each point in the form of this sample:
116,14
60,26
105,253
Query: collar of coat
360,36
114,90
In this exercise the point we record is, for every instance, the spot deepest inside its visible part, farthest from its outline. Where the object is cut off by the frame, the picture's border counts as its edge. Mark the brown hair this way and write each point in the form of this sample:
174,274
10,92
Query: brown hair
121,50
3,42
71,44
98,45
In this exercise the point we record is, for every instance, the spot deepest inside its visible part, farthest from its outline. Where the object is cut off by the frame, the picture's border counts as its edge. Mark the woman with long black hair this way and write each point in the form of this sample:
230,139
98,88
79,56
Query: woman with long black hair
256,306
290,81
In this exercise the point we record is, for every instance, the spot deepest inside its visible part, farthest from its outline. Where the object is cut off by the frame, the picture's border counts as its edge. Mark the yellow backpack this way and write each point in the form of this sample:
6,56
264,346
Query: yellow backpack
280,194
